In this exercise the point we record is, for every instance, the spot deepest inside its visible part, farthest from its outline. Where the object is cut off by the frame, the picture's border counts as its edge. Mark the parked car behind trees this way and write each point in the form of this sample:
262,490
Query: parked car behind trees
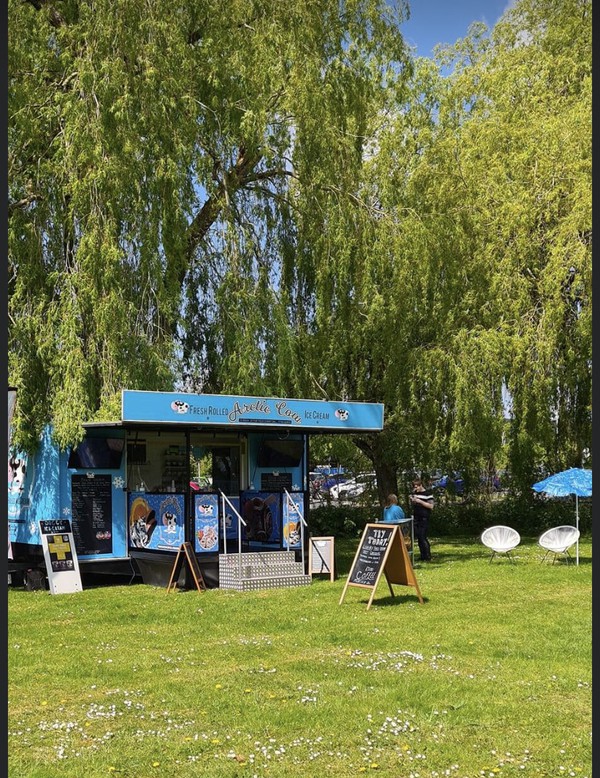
333,480
354,487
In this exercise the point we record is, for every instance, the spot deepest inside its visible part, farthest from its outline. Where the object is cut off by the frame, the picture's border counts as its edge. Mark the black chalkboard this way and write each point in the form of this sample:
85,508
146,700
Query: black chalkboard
91,509
275,482
370,556
381,551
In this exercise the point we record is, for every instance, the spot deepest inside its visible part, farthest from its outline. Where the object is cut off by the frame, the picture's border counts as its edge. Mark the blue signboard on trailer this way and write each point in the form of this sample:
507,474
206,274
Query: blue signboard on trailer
156,521
206,523
293,516
232,411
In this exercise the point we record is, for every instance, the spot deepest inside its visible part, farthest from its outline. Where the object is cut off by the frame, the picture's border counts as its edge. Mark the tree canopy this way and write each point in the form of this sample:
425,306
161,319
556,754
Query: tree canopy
472,305
271,198
153,148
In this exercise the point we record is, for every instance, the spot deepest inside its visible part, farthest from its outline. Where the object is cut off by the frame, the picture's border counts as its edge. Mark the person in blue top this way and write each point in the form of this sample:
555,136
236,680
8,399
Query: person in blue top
392,512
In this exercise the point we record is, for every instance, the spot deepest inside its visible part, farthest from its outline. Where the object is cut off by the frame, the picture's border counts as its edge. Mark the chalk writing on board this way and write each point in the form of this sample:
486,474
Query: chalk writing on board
91,508
370,555
381,551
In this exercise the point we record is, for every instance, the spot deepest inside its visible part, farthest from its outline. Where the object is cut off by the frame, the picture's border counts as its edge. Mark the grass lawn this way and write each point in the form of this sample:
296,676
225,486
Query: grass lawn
491,676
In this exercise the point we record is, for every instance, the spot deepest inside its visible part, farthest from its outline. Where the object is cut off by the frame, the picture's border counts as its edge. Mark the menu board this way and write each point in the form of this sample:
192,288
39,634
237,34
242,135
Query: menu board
274,482
371,554
381,551
91,510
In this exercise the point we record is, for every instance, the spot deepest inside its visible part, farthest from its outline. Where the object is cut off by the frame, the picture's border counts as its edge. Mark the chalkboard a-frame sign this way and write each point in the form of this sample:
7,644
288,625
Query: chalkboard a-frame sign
381,551
186,554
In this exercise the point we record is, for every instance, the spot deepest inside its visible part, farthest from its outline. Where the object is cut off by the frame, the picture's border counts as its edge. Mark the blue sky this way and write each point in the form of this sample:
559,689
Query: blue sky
445,21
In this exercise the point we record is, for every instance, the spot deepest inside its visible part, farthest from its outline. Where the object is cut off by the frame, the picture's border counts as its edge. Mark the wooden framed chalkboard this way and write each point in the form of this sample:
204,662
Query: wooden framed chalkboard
186,554
320,556
381,551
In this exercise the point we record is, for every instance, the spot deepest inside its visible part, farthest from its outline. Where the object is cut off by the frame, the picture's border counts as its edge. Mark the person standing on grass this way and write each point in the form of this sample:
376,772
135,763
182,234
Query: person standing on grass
422,502
392,512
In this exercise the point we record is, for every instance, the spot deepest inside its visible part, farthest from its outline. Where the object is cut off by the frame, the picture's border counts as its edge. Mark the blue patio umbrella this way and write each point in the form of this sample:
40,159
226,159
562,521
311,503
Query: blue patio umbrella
575,480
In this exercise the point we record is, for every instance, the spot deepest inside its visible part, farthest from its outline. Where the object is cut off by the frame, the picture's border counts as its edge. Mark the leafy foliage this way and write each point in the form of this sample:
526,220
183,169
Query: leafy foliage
260,198
156,154
463,519
468,291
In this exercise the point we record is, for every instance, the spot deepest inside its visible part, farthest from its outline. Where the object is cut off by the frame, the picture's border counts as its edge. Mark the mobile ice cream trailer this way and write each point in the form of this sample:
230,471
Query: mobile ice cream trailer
227,474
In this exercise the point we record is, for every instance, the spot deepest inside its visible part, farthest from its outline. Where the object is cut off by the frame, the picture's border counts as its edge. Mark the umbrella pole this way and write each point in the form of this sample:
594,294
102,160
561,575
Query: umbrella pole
577,525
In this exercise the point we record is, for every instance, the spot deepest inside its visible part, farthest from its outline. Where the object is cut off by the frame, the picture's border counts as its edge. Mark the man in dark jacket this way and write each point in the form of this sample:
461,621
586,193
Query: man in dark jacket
422,503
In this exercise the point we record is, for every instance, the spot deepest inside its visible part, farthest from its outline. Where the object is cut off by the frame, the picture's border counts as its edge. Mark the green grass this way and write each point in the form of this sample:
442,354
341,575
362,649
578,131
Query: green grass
491,676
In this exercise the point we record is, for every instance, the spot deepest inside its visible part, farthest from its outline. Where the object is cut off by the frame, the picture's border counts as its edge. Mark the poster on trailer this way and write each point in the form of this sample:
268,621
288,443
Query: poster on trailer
156,521
262,513
206,523
293,514
230,517
20,483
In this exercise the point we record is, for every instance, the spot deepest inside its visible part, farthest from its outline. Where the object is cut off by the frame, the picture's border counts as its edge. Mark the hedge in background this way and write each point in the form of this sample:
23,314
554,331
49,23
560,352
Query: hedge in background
528,516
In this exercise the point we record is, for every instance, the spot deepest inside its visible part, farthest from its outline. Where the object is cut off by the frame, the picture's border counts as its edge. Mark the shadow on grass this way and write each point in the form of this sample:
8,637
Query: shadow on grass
388,600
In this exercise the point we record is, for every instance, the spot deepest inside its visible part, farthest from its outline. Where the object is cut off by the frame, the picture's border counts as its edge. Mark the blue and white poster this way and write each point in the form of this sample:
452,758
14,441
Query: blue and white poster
156,521
231,519
206,523
293,514
20,477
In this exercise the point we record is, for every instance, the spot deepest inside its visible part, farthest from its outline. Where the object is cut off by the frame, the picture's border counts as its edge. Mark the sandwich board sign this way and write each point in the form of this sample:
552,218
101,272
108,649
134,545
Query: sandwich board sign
186,554
381,551
60,556
320,556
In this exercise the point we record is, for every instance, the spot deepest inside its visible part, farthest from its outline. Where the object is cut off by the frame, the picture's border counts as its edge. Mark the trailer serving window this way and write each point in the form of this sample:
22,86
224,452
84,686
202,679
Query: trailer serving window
278,452
97,453
216,466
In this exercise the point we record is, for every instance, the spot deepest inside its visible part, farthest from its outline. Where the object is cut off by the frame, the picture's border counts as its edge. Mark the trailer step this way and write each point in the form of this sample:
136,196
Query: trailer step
261,570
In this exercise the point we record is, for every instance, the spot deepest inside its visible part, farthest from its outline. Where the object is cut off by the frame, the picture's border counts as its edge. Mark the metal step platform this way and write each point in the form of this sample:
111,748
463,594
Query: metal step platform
255,570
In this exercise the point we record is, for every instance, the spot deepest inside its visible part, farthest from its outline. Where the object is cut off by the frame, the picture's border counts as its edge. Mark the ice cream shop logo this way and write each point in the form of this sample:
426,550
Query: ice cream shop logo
244,412
342,414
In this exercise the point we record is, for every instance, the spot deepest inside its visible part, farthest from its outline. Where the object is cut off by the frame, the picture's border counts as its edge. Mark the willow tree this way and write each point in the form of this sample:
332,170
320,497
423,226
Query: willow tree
158,154
521,102
465,292
390,298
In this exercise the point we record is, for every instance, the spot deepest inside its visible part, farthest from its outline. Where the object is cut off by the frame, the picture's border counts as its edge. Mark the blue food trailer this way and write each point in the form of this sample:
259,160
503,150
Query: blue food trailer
227,474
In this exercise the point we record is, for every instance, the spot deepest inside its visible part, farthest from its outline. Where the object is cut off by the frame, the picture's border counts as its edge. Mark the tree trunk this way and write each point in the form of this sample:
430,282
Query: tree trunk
385,471
387,483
